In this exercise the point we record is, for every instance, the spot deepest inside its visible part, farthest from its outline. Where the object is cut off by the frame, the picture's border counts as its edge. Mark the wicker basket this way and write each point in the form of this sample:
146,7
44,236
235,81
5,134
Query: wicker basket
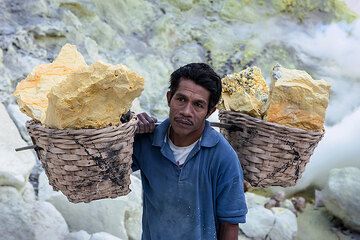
86,164
270,154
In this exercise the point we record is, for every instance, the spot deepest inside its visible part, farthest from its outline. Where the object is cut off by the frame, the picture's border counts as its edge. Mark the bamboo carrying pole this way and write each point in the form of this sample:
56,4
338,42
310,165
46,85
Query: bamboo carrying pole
214,124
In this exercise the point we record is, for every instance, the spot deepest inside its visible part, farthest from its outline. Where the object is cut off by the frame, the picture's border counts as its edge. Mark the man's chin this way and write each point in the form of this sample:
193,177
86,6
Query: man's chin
182,129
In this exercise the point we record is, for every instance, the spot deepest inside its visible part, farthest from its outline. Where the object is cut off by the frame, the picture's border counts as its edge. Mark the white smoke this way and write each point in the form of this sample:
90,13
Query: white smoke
333,52
339,148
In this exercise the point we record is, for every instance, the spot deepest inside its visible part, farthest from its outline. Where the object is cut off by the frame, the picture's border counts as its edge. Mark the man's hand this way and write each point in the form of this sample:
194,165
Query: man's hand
228,231
146,124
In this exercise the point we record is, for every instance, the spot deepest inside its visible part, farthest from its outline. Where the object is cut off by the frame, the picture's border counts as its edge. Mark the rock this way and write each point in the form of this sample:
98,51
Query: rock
183,5
288,205
28,193
318,199
271,203
279,196
242,236
244,92
31,93
259,222
83,235
253,200
299,203
69,94
296,100
128,16
94,97
1,58
120,217
31,221
315,224
15,167
169,36
8,179
341,196
20,120
233,10
154,95
285,227
80,235
186,54
103,236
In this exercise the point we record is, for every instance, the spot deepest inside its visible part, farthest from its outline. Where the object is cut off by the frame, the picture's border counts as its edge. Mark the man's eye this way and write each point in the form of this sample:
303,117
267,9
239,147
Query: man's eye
199,105
181,99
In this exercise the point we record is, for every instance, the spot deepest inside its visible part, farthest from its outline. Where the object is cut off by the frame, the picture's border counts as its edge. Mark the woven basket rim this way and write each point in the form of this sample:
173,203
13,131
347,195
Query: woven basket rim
271,124
37,123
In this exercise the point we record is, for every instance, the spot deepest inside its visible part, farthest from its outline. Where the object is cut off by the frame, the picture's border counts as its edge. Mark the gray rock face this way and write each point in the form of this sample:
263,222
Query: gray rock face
120,217
80,235
285,227
259,222
15,167
83,235
19,119
341,196
276,223
32,221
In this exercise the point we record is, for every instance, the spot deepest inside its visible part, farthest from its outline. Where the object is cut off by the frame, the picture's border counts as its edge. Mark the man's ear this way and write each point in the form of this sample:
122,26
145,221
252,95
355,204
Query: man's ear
168,97
211,112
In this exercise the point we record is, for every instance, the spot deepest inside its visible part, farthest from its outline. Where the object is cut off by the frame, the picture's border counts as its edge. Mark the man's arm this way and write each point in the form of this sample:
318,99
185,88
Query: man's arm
230,198
228,231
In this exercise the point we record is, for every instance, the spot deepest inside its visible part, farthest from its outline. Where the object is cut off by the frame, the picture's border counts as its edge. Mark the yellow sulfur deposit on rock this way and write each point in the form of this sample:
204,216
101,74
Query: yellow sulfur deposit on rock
94,97
70,94
31,93
244,92
296,100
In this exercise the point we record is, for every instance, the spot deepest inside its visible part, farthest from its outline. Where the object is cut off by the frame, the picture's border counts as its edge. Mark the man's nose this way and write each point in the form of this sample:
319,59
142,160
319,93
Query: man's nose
187,109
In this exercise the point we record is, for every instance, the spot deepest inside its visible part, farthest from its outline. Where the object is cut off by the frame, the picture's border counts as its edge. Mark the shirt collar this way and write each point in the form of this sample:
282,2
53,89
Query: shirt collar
209,136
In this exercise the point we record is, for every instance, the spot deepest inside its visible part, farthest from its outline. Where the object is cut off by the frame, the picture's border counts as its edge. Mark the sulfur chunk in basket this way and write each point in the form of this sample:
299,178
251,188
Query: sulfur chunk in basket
244,92
296,100
70,94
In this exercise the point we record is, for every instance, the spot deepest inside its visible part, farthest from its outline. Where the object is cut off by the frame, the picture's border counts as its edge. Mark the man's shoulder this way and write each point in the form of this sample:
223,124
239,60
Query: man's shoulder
222,153
222,144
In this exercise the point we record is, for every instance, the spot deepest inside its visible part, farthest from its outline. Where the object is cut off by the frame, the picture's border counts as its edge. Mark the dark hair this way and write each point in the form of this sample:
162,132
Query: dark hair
201,74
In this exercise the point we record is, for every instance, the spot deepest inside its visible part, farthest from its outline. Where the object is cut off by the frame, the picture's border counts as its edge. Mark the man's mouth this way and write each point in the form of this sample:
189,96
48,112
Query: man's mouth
183,121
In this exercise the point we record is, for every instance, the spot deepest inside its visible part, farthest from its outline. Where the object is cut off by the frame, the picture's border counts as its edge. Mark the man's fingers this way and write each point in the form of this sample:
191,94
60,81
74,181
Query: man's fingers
150,119
146,123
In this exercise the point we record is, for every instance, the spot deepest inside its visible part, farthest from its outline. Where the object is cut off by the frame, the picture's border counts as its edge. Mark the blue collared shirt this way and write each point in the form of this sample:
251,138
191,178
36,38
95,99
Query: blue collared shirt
187,202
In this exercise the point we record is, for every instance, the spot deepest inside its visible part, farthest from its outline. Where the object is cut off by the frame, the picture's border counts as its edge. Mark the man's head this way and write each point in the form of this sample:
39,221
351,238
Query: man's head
195,90
201,74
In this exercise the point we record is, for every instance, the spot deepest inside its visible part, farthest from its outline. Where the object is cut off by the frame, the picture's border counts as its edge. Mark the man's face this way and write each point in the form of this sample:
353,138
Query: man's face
188,109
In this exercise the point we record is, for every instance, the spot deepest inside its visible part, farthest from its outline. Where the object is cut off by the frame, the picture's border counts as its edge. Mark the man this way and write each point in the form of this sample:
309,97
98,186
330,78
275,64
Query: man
192,179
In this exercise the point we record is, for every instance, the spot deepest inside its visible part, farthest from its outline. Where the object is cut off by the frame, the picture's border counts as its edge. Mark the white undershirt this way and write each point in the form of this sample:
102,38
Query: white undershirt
181,153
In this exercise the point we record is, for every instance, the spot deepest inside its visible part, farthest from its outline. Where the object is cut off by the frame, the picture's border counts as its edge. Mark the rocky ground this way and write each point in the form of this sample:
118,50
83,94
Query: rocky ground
318,224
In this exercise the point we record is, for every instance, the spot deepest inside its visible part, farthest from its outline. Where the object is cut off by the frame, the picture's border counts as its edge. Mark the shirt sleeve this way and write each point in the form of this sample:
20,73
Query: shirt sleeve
230,198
